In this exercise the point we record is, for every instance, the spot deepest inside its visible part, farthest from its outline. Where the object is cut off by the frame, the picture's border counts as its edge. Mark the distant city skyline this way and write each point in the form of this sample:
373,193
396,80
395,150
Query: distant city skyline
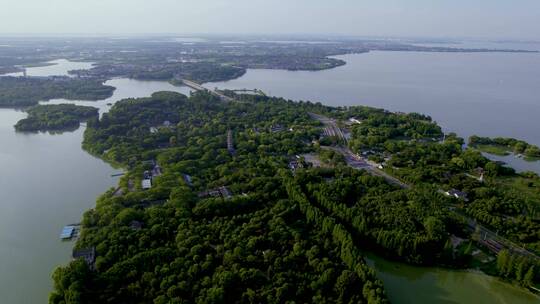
489,19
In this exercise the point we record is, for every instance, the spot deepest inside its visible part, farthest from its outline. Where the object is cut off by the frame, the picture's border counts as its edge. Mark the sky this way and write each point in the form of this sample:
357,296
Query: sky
504,19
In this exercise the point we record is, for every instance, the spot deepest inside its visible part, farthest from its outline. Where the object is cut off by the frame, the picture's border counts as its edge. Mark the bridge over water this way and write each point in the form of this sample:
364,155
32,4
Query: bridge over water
199,87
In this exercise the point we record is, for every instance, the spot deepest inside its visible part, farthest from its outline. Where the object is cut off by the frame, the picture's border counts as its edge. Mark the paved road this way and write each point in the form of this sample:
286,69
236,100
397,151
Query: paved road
352,159
330,127
357,162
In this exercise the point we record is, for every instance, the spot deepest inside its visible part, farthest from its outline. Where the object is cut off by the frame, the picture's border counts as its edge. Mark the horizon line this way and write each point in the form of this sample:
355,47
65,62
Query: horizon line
251,35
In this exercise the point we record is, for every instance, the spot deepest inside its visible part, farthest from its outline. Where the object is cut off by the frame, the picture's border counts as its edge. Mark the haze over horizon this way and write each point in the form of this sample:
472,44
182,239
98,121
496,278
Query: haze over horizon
492,19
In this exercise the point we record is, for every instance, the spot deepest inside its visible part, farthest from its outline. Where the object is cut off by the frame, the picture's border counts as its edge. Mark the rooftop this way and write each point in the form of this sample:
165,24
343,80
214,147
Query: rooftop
146,184
67,232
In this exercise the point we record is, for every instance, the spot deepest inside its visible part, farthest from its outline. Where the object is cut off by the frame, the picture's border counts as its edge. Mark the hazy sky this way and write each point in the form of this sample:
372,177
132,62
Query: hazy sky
518,19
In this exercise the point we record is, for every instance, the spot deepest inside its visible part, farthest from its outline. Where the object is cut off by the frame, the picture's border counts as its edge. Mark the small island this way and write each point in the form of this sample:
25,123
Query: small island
59,117
28,91
505,146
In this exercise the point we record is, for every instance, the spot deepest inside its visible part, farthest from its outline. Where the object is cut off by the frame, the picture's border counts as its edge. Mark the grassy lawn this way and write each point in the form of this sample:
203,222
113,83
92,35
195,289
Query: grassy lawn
494,149
531,159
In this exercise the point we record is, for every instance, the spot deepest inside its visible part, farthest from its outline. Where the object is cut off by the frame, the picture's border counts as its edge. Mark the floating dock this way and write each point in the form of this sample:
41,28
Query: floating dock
69,232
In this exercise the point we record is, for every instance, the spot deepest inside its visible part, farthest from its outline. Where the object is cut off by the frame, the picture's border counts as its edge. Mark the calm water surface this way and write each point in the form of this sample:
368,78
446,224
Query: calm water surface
125,88
491,94
405,284
49,182
55,68
494,45
488,94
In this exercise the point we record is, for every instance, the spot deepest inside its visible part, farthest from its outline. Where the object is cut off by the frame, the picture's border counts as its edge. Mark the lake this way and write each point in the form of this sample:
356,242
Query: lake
48,181
52,181
406,284
125,88
487,94
58,67
491,94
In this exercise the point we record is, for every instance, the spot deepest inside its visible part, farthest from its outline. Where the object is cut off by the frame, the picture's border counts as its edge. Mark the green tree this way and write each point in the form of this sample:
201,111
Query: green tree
434,228
502,260
528,279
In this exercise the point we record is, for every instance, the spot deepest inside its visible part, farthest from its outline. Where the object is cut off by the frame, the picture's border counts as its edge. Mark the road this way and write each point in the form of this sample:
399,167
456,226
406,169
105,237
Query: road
330,127
494,242
488,238
353,160
357,162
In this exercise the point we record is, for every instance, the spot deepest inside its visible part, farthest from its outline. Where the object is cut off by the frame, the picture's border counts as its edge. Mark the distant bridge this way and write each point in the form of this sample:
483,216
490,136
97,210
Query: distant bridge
199,87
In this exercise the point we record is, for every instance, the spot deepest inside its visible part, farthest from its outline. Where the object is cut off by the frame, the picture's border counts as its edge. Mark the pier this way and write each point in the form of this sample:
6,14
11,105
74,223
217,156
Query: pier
70,231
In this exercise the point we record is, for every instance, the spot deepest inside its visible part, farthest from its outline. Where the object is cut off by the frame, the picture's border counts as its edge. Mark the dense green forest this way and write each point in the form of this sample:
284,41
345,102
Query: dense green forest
285,230
55,117
412,225
497,196
173,72
199,72
28,91
253,247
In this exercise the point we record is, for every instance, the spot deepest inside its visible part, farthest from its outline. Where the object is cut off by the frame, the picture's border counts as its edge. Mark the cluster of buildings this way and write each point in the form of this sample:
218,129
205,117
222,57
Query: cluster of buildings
277,128
222,192
149,175
295,164
166,124
457,194
273,129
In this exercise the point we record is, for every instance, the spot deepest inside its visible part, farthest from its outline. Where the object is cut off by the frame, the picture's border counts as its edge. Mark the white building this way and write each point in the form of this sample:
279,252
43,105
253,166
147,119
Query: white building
146,184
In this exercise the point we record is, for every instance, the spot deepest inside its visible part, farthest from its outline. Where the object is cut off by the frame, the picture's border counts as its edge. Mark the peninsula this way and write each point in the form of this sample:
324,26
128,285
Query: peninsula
269,200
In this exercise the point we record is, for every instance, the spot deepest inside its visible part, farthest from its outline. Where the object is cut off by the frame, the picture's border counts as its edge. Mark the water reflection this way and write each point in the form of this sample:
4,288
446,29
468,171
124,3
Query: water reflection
409,284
